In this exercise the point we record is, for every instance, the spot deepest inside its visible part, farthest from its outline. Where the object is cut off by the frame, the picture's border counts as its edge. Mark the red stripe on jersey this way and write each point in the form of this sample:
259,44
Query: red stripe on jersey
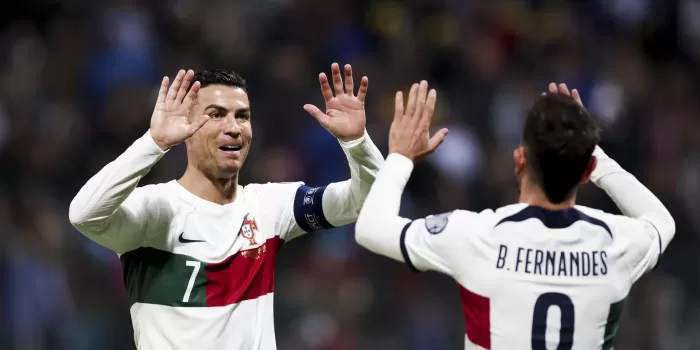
477,319
248,274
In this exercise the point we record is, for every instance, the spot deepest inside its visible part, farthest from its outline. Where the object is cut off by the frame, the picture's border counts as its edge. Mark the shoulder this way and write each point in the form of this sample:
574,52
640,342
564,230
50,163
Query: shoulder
156,199
154,192
281,192
621,225
613,221
272,187
494,217
456,221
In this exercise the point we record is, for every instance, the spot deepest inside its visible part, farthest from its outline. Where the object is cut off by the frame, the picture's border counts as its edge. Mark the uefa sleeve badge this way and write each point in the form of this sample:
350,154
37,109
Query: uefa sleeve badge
436,223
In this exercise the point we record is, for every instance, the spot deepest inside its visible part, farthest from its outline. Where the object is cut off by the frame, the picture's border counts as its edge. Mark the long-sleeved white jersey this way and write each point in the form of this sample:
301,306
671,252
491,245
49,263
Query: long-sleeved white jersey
199,275
529,278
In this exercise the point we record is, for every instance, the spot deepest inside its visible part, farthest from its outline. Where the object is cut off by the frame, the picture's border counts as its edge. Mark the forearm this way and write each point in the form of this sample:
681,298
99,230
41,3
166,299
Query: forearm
100,198
632,197
342,201
379,225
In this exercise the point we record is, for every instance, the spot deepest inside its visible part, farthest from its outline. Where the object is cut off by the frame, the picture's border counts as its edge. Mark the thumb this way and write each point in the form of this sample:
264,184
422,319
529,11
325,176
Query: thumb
198,123
437,139
322,118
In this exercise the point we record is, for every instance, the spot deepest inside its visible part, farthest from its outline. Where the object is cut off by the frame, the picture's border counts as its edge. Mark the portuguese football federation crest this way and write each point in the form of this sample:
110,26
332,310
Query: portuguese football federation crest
249,228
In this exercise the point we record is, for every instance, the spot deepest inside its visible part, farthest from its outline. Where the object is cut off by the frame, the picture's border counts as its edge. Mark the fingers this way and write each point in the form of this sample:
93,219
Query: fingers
437,140
316,113
325,87
172,92
191,95
411,105
349,87
337,79
362,93
198,123
186,80
429,110
563,89
163,91
398,106
576,96
422,93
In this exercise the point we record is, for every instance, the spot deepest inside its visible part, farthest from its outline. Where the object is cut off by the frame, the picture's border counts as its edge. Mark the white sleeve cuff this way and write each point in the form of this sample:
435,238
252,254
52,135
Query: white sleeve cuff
399,165
353,143
147,143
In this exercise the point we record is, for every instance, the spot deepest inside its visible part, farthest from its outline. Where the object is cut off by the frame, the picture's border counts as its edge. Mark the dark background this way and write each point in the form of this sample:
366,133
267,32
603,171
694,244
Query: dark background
77,85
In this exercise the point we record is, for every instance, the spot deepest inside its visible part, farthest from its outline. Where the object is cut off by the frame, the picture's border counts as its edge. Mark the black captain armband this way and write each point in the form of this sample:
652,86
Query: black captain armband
308,209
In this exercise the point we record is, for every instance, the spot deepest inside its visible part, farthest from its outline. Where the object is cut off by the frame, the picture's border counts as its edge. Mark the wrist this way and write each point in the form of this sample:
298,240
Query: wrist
403,155
352,140
162,145
400,165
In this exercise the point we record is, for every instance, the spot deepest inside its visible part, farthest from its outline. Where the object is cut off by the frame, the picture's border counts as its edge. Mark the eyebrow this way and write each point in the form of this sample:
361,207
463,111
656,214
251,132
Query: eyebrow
238,111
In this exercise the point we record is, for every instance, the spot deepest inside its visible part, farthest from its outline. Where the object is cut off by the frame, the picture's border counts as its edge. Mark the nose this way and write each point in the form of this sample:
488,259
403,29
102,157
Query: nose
231,127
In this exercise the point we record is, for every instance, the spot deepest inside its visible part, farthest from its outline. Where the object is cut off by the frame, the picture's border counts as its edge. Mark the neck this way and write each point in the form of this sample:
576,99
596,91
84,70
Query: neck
534,196
209,187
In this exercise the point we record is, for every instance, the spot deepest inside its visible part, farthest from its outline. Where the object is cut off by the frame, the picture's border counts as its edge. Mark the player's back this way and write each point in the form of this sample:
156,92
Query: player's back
535,278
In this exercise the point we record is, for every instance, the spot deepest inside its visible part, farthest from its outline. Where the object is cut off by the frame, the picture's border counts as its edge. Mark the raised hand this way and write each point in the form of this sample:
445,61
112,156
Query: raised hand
345,112
170,122
410,130
563,89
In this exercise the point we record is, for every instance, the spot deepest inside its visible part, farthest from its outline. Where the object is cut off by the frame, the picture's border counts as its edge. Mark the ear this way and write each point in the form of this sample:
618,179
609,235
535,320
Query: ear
589,170
520,160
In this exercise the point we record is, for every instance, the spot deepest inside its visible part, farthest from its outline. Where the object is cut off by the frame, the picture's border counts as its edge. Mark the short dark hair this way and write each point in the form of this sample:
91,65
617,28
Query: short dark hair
559,138
220,76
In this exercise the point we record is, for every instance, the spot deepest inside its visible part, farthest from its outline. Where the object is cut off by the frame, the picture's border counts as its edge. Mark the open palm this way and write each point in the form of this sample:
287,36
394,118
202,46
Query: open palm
170,122
345,112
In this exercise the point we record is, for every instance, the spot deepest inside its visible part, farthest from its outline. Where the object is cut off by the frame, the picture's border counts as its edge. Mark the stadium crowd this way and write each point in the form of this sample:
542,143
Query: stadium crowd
78,83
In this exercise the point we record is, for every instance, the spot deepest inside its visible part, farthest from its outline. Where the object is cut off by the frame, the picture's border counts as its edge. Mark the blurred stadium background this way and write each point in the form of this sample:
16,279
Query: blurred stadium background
77,84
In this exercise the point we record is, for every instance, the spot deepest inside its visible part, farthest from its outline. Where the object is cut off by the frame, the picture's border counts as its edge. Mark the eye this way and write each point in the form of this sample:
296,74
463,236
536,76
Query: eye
244,116
215,114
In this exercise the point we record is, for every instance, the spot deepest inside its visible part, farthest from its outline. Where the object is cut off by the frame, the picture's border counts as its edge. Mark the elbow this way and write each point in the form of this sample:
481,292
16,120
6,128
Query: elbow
670,226
79,216
76,214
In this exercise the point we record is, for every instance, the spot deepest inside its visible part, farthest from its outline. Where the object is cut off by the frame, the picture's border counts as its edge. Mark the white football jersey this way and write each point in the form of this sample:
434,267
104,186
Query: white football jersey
200,275
208,283
528,275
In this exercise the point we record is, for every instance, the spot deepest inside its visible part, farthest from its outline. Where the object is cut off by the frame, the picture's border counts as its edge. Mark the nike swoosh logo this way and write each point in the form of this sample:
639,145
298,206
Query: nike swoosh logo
185,240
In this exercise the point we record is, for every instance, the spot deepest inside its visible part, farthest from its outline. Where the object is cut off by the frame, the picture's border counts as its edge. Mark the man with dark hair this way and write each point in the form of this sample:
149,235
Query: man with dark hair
516,264
559,138
199,252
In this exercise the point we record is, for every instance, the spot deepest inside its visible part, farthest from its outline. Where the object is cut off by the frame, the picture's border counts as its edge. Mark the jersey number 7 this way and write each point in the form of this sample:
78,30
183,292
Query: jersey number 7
539,320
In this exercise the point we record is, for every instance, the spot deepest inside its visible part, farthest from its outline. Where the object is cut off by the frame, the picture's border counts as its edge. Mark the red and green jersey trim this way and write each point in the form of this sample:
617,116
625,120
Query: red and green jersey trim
154,276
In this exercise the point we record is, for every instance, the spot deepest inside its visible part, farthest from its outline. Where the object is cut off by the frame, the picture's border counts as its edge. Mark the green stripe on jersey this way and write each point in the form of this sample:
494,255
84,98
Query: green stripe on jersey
613,324
155,276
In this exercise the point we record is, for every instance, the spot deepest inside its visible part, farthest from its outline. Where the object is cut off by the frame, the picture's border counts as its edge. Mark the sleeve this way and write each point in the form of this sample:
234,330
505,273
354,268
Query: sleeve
423,244
310,209
642,244
107,209
431,242
649,225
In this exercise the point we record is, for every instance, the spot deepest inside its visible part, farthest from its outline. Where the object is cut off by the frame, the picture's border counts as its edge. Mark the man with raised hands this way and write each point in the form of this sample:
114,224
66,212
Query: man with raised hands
544,273
199,252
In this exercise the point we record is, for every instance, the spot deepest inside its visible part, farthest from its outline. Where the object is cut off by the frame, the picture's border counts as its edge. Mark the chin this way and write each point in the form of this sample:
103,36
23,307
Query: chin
229,168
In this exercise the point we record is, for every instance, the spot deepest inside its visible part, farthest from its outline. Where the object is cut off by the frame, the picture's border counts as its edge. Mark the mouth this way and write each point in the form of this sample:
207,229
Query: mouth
231,151
230,148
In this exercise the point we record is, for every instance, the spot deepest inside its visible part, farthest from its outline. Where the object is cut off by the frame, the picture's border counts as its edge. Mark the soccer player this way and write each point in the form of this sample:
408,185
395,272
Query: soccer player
540,274
199,252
